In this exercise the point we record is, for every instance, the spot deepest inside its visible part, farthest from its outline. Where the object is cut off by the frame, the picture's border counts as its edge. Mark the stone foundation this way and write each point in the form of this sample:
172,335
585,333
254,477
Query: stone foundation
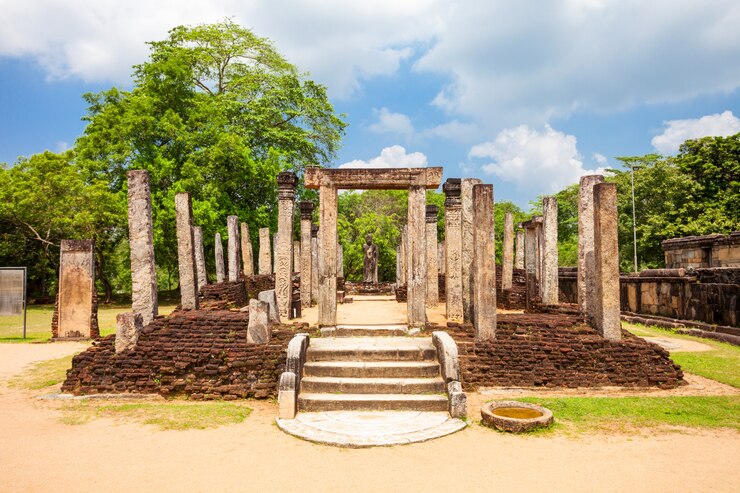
223,295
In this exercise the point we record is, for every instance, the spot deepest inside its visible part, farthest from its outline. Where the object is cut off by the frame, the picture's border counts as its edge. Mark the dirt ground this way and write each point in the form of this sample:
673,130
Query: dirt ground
39,453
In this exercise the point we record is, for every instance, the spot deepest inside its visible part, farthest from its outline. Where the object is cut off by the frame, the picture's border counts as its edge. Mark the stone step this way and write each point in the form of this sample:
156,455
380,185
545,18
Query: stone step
371,369
371,349
370,330
310,402
372,385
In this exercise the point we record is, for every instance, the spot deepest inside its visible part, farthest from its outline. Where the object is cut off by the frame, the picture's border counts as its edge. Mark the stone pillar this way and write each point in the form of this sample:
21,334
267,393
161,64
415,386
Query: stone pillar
398,265
77,307
265,261
405,255
286,181
328,257
484,264
441,257
432,269
340,261
128,328
417,270
186,252
530,261
606,248
232,226
314,263
519,252
586,259
200,257
507,269
274,252
306,267
247,255
467,245
218,248
550,250
297,256
141,241
453,250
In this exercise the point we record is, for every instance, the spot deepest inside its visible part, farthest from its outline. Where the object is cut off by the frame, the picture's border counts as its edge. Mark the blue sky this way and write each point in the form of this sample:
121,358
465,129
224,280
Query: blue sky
525,95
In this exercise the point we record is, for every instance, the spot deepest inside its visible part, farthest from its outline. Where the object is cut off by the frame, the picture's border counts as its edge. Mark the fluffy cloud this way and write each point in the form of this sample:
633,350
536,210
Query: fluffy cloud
677,131
599,158
535,162
392,123
391,157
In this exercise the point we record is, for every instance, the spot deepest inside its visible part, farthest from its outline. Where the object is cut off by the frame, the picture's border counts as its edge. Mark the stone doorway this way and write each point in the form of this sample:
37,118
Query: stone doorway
329,182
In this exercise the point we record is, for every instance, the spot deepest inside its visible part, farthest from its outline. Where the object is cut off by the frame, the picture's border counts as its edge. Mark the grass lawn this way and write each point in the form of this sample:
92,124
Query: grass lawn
43,374
38,322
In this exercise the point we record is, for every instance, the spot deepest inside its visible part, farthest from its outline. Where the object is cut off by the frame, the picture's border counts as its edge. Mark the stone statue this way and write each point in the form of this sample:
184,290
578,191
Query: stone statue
370,262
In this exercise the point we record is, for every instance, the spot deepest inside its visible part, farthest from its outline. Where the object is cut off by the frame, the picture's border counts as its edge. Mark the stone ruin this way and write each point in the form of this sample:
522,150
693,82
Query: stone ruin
76,309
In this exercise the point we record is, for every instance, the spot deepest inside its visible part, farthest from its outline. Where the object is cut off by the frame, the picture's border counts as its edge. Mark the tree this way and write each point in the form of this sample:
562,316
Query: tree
216,111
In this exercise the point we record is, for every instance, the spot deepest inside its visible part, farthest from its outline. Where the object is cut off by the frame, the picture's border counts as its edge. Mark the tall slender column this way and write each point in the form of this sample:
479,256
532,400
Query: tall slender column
417,269
286,181
550,258
247,255
432,269
508,254
186,252
340,262
606,248
297,256
328,257
404,254
314,263
586,254
519,252
200,257
232,226
306,274
218,247
441,257
274,252
530,261
141,240
398,265
484,263
265,263
467,245
453,250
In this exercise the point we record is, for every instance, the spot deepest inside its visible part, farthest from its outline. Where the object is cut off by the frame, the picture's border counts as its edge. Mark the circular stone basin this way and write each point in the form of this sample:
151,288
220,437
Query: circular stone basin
515,417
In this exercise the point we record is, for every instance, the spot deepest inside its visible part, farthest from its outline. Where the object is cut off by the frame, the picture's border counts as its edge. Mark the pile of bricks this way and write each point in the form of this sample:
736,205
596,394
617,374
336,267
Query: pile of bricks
223,295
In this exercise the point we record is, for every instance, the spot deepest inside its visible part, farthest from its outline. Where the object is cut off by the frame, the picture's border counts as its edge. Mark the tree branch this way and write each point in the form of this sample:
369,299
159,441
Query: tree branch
38,237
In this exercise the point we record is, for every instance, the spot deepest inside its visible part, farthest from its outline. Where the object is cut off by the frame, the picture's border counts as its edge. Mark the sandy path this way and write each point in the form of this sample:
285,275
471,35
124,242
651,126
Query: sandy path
15,357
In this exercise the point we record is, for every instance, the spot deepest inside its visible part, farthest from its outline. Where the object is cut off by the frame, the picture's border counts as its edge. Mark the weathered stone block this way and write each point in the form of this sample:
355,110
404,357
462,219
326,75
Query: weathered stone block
270,298
128,328
258,330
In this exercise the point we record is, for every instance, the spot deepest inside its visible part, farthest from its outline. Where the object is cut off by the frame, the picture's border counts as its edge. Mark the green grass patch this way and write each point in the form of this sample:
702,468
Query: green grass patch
171,415
38,322
43,374
722,363
636,413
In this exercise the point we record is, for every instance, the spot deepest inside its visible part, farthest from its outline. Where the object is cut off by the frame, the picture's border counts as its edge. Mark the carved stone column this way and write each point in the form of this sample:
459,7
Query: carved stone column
519,251
484,263
606,248
417,270
404,255
432,269
265,263
530,261
286,181
508,251
141,240
306,267
297,256
200,257
186,252
467,245
586,254
232,226
247,255
550,258
328,257
218,248
453,250
314,263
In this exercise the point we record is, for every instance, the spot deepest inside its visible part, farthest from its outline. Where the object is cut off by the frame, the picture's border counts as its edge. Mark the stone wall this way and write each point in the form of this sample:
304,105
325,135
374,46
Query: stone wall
223,295
203,354
703,251
559,351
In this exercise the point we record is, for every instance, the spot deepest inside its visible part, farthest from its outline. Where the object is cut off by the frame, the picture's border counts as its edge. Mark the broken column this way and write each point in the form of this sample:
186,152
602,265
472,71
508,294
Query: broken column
416,293
232,226
265,260
141,241
550,251
453,250
432,269
519,251
507,267
128,328
258,327
286,181
484,264
586,254
466,196
77,307
247,255
296,256
314,263
186,252
328,257
200,257
306,270
218,248
606,247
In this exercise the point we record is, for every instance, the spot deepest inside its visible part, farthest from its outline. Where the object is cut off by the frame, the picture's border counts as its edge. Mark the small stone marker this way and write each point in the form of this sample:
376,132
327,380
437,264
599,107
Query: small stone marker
271,300
258,330
128,328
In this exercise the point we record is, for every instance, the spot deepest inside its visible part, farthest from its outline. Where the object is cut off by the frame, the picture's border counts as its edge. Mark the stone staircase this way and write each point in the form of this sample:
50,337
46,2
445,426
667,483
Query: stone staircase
371,368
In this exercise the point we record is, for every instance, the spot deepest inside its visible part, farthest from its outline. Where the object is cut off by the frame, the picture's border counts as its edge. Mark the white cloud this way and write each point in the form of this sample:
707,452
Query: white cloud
453,130
392,123
391,157
677,131
535,162
599,158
